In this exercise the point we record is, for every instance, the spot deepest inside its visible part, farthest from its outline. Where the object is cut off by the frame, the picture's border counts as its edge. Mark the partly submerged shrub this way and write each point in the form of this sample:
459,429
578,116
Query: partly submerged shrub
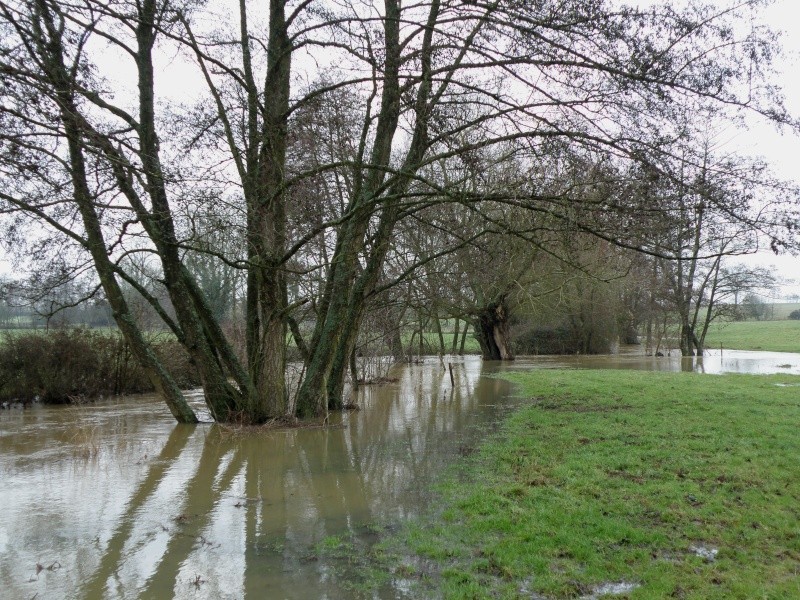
561,340
65,365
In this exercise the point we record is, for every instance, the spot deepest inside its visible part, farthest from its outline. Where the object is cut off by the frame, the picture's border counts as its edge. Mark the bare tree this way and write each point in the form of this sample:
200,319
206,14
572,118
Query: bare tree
402,87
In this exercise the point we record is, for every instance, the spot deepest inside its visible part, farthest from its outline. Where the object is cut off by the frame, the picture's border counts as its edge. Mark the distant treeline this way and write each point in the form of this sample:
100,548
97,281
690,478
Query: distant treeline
94,314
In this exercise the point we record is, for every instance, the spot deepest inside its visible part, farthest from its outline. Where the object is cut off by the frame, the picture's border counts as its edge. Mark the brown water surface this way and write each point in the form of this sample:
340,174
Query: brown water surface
113,500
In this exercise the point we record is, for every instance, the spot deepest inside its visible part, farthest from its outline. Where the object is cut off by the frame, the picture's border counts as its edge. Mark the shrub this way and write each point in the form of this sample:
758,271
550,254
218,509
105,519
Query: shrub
795,315
561,340
65,365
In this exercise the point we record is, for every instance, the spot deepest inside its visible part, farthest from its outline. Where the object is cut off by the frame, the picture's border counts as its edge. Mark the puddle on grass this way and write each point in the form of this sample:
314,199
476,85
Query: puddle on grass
708,553
599,591
611,589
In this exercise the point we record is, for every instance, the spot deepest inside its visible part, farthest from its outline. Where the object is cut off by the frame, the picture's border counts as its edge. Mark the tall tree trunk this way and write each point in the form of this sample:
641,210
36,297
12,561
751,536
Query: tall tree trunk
266,227
349,286
260,162
344,351
687,339
52,52
463,339
421,340
455,336
491,329
354,370
393,337
339,297
223,399
438,325
697,344
329,342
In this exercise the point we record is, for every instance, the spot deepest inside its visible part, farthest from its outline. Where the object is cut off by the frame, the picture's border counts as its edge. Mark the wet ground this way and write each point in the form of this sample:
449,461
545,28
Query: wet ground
113,500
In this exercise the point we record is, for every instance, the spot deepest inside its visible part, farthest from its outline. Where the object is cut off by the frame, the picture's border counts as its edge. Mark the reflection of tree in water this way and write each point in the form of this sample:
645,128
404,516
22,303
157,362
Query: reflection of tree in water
692,364
111,560
258,503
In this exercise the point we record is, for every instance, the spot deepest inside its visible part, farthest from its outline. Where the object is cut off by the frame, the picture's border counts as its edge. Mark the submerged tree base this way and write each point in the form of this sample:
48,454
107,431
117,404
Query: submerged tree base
281,424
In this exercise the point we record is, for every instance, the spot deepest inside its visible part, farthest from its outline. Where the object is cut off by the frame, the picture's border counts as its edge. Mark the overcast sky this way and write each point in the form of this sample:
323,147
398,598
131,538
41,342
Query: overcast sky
782,151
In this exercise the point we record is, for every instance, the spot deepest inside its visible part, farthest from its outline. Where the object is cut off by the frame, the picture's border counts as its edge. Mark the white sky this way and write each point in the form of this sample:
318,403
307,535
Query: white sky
782,150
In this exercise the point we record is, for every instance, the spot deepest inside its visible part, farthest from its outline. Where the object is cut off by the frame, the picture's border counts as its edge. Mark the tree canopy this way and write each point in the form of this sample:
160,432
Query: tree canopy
322,130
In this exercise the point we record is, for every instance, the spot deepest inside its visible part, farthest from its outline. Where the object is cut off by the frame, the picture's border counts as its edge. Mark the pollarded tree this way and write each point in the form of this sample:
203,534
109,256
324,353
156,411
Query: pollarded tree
483,260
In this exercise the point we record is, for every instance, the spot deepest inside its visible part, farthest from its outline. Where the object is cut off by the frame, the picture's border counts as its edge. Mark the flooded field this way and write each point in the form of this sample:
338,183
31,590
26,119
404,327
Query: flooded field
714,362
113,500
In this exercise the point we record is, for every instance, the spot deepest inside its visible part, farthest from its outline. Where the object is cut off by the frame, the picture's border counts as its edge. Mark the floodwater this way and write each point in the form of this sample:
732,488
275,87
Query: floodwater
113,500
714,362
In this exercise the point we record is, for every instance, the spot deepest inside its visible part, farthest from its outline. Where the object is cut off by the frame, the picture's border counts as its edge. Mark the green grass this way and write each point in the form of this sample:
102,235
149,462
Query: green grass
471,345
781,310
159,335
775,336
609,476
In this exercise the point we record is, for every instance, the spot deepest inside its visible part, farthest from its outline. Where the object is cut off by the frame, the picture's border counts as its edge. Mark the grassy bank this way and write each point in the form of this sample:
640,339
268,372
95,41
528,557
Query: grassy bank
431,342
775,336
668,485
781,310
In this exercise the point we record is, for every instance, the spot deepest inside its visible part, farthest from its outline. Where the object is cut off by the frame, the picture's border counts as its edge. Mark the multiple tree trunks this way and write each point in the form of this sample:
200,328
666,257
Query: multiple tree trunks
690,345
438,114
